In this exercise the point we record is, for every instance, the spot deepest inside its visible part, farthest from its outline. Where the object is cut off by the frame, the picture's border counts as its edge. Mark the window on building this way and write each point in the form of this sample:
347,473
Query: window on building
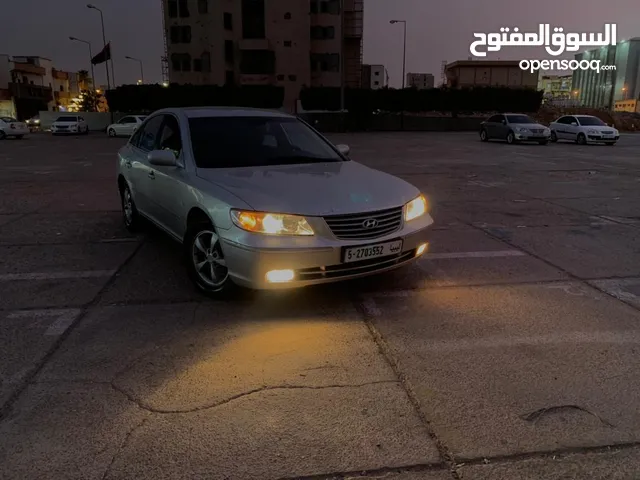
31,82
183,9
321,33
185,34
293,78
25,79
229,78
287,43
329,32
174,34
313,6
280,77
181,62
197,65
62,88
186,62
287,16
376,83
173,8
206,62
377,74
228,51
228,21
258,62
253,19
203,6
330,6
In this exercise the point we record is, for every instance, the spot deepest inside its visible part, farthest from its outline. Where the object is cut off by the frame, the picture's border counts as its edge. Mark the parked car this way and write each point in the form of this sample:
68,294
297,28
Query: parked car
583,129
67,124
514,128
262,200
125,126
10,127
34,123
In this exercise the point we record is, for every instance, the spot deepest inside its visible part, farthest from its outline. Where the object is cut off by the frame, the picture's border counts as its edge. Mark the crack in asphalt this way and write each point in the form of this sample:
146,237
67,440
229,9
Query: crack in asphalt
145,406
122,447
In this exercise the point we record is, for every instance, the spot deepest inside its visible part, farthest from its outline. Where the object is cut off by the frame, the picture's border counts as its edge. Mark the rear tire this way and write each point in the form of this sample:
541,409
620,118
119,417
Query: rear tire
582,139
205,263
111,132
484,136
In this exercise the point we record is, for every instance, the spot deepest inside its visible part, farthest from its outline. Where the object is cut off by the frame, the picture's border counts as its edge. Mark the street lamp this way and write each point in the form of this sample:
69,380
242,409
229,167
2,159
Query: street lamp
624,91
141,70
104,41
404,50
93,77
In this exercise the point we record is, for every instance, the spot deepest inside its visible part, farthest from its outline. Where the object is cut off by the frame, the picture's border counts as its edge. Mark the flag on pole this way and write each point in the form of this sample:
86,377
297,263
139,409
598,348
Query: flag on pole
103,56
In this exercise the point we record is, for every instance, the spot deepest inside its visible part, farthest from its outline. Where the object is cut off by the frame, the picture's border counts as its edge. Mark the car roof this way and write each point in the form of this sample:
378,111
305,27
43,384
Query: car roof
581,116
199,112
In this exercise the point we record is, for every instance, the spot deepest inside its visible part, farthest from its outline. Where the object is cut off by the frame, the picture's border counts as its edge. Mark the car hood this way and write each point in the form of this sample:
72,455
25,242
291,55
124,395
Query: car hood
599,128
315,189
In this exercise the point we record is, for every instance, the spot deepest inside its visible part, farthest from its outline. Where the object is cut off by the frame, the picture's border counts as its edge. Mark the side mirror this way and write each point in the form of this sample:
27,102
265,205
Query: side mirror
162,158
343,149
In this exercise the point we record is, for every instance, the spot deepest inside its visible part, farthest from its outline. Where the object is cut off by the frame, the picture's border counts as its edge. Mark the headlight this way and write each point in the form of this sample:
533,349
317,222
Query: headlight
36,121
271,223
415,208
592,132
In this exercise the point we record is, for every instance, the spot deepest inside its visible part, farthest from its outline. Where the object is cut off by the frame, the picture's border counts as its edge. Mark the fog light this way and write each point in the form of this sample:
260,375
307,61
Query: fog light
421,249
279,276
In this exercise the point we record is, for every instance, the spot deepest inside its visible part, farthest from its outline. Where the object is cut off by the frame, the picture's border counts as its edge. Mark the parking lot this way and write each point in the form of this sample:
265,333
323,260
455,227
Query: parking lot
509,351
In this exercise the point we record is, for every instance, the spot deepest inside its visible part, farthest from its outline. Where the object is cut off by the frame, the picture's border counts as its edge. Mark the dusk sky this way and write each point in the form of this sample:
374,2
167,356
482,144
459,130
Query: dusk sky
436,31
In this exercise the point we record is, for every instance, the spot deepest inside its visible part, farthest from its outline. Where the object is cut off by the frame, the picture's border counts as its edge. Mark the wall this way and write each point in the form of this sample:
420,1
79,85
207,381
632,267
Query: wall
5,71
337,122
7,108
97,121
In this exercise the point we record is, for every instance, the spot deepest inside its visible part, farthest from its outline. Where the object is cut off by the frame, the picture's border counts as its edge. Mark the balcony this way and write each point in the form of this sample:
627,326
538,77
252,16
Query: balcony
59,75
33,92
20,67
353,25
254,44
257,79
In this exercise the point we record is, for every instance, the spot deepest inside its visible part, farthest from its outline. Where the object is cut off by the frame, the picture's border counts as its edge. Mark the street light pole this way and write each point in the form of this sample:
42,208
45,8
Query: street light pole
93,76
404,64
140,62
104,41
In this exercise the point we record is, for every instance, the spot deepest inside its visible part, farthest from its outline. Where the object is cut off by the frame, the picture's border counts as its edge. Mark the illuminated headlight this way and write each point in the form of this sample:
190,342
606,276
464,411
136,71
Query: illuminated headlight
415,208
36,122
271,223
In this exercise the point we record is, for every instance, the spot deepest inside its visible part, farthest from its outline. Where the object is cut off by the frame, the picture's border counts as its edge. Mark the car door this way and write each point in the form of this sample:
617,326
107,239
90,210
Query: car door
168,184
120,126
572,128
491,124
82,125
501,127
138,167
560,127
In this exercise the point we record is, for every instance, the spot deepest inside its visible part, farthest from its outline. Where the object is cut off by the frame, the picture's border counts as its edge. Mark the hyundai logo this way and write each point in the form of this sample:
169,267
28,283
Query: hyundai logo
370,223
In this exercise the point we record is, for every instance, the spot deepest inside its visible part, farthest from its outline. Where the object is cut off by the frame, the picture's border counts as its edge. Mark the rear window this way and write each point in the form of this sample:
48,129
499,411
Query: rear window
67,119
520,119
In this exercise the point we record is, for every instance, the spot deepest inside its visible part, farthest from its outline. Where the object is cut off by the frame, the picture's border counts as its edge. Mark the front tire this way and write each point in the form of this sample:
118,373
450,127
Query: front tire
511,138
554,137
205,262
130,215
484,136
582,139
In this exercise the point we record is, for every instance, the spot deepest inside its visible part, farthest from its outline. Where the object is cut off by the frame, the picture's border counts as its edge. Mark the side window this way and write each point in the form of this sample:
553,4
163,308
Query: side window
571,120
148,138
125,120
494,119
170,135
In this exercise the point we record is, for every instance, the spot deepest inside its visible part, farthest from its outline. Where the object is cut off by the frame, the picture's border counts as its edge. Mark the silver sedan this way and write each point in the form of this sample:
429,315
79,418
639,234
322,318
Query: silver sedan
261,200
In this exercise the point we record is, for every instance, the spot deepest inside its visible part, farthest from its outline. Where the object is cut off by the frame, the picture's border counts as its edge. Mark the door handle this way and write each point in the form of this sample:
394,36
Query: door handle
152,175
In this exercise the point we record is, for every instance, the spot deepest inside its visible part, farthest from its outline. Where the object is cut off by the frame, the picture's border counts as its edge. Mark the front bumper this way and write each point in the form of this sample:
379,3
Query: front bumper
60,131
602,138
12,132
532,137
316,259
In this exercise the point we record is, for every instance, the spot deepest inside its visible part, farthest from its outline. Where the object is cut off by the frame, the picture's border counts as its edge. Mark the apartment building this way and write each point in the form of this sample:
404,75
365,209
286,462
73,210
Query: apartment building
290,43
374,76
420,80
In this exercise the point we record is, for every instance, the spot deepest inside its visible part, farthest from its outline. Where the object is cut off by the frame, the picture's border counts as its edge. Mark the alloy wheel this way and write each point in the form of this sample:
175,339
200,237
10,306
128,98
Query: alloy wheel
207,258
127,206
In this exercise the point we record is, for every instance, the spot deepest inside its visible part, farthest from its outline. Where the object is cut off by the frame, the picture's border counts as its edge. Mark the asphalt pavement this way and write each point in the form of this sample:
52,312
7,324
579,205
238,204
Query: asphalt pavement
509,351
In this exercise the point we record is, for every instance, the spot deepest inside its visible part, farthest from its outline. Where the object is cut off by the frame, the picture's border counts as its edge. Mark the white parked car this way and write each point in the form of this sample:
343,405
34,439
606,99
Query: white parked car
583,129
125,127
66,124
10,127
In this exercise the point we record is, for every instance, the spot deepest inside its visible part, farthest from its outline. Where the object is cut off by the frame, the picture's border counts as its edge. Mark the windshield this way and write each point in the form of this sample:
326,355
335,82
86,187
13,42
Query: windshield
227,142
520,119
591,121
67,119
8,119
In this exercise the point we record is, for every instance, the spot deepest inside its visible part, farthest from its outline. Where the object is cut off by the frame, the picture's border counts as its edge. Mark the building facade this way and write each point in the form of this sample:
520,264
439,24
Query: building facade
374,77
489,73
420,80
603,89
289,43
628,106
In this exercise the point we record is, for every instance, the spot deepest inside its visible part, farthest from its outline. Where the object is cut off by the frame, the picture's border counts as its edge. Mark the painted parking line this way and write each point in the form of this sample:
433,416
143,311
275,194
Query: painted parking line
487,254
65,317
11,277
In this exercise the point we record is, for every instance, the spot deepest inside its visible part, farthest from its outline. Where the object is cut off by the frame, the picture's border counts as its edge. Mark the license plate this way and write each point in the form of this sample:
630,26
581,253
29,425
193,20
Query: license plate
366,252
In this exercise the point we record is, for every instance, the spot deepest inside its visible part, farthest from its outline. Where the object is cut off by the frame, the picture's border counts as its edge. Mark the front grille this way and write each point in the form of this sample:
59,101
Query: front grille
352,226
59,127
537,130
354,268
607,133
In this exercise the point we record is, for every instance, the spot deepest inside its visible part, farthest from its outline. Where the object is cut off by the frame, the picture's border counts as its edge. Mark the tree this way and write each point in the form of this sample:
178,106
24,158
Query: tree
89,101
